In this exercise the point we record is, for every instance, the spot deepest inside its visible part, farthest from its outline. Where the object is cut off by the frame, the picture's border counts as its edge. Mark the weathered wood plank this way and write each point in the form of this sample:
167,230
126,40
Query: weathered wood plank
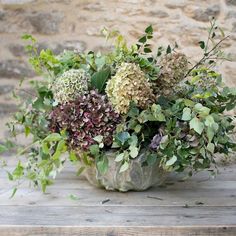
198,206
212,192
94,197
118,231
116,215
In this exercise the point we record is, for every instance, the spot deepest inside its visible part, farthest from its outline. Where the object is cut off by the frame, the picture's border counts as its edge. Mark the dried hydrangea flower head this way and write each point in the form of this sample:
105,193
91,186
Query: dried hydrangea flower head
70,85
174,66
129,84
86,117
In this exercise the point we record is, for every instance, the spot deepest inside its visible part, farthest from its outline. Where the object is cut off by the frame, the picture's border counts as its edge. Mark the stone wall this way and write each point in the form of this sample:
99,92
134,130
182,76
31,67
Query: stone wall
76,24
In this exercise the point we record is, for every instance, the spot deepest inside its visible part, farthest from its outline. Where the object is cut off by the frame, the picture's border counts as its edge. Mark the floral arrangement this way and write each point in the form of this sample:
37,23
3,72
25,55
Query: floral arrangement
128,100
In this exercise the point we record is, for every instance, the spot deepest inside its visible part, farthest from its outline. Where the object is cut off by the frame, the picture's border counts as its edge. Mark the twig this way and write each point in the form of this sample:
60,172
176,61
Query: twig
25,149
157,198
25,91
106,200
206,56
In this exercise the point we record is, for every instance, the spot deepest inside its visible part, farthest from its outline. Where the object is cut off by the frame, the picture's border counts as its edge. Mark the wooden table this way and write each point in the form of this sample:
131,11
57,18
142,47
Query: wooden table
197,206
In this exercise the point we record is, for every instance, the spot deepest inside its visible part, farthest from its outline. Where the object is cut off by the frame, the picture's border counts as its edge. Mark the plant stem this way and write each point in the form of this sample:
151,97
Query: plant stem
25,149
206,56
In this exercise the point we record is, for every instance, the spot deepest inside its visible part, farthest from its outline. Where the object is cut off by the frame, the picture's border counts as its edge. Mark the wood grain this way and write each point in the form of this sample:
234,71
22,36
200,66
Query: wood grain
197,206
118,231
117,215
94,197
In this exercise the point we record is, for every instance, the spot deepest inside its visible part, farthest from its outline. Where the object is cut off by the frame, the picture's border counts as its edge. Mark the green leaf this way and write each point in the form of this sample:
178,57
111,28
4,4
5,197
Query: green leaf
98,80
210,147
100,62
13,192
201,44
81,169
72,156
188,103
61,146
133,112
123,137
209,120
157,113
203,153
168,50
171,161
143,39
86,159
45,147
54,137
18,171
10,176
3,148
120,157
94,150
160,117
73,197
197,125
202,111
133,151
133,140
102,165
151,159
230,106
115,145
149,29
137,128
210,133
27,131
28,37
124,167
98,138
147,50
186,114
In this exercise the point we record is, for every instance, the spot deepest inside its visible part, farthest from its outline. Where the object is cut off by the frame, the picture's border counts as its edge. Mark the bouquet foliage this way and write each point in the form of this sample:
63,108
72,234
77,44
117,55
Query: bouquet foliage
128,100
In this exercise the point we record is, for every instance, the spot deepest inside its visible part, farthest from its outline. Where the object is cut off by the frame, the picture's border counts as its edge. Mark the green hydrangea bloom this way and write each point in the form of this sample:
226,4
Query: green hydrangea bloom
129,85
70,85
174,67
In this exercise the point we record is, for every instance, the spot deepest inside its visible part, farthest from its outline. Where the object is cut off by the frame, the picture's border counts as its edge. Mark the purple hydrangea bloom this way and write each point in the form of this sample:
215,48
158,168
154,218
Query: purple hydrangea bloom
156,140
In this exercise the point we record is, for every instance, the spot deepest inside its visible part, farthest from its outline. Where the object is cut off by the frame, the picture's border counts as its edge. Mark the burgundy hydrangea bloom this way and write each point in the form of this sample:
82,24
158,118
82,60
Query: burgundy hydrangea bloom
85,118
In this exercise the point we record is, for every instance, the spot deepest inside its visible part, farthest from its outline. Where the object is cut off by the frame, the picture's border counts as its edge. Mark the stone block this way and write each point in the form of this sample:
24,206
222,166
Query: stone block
201,13
45,22
14,69
4,89
231,2
15,2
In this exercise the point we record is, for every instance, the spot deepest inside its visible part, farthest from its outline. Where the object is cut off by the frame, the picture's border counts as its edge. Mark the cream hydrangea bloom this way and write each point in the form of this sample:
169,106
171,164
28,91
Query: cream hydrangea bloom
129,84
70,85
